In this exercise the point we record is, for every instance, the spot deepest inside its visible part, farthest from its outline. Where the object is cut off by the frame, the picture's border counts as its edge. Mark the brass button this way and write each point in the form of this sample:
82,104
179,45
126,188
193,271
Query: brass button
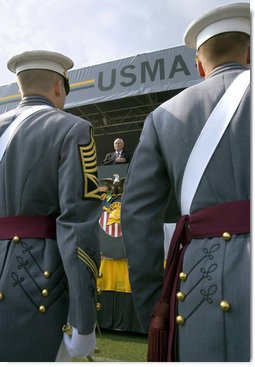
180,296
226,236
183,276
180,320
16,239
100,275
42,309
47,274
98,306
99,290
225,305
45,292
1,296
67,329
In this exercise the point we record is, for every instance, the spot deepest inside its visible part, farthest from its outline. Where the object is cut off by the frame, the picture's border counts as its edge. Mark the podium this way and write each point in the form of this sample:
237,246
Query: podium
117,312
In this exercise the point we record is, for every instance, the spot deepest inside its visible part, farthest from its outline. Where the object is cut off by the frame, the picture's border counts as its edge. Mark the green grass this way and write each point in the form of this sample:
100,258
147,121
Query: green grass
119,346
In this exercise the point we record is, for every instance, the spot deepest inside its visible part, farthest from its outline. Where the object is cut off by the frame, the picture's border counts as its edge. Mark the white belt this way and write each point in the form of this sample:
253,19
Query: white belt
210,137
9,132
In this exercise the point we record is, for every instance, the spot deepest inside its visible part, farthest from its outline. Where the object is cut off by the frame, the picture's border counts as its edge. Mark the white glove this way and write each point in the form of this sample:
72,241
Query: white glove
79,345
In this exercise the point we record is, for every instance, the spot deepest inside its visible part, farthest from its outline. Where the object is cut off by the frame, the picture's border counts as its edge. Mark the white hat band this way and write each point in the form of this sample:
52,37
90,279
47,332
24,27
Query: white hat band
238,24
38,64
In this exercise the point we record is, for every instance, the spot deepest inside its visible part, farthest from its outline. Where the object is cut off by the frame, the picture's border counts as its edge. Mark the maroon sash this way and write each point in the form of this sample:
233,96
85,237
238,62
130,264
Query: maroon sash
27,226
234,218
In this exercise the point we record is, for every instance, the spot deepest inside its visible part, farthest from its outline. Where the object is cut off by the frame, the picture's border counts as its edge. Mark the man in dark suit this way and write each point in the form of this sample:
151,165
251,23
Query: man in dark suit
119,155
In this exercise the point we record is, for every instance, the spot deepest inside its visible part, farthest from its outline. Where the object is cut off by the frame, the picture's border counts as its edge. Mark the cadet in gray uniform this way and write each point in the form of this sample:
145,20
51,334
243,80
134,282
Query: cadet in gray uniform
49,212
212,297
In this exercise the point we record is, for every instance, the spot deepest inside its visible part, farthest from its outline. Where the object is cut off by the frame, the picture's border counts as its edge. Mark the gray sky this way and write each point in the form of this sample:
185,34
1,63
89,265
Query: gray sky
94,31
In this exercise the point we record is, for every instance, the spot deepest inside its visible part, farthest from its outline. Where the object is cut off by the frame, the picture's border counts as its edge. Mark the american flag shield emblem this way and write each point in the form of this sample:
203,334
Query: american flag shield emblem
111,192
113,229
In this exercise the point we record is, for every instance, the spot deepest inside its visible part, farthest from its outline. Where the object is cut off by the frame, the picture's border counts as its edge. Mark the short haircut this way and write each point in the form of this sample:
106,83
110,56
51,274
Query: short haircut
37,80
221,45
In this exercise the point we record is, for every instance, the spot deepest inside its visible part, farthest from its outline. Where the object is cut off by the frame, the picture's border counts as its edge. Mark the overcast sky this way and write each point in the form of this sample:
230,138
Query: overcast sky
94,31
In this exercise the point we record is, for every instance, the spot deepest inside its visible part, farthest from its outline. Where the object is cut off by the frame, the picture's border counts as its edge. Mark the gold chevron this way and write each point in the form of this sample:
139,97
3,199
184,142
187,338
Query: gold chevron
89,168
83,256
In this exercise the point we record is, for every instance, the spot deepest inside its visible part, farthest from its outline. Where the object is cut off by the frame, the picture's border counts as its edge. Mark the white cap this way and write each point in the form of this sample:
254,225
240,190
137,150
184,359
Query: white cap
226,18
41,59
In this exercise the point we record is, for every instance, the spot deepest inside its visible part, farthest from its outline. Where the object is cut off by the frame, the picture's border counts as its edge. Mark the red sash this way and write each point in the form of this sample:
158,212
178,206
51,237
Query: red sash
27,226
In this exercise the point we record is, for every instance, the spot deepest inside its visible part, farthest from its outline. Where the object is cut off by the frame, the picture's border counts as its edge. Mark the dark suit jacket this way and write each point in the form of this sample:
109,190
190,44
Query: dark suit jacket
110,158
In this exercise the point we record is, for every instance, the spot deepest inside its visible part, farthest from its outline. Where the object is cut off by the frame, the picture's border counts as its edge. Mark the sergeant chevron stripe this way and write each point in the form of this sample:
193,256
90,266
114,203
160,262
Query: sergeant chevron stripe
83,256
89,168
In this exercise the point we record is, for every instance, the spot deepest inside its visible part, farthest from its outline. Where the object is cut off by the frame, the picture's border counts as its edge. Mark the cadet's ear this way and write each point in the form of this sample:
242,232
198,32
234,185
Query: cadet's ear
248,57
58,88
200,69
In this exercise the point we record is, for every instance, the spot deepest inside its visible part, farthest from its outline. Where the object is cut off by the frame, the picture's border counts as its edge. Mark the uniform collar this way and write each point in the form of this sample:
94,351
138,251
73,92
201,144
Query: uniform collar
35,100
226,67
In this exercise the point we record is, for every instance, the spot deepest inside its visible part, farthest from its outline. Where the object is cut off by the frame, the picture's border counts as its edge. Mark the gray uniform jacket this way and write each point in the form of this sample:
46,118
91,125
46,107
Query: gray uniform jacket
49,168
216,269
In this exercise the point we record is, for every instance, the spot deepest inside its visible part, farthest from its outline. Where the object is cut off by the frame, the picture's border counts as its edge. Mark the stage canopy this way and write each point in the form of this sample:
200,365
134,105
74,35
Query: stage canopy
117,96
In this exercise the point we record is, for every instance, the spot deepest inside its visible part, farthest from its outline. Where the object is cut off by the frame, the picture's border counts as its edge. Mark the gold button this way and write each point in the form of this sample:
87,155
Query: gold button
42,309
180,320
227,236
67,329
47,274
16,239
1,296
45,292
225,305
180,296
98,306
100,275
99,290
183,276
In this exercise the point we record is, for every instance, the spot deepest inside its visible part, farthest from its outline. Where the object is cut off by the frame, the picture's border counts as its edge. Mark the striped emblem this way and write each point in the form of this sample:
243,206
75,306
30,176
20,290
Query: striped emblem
83,256
114,229
89,168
